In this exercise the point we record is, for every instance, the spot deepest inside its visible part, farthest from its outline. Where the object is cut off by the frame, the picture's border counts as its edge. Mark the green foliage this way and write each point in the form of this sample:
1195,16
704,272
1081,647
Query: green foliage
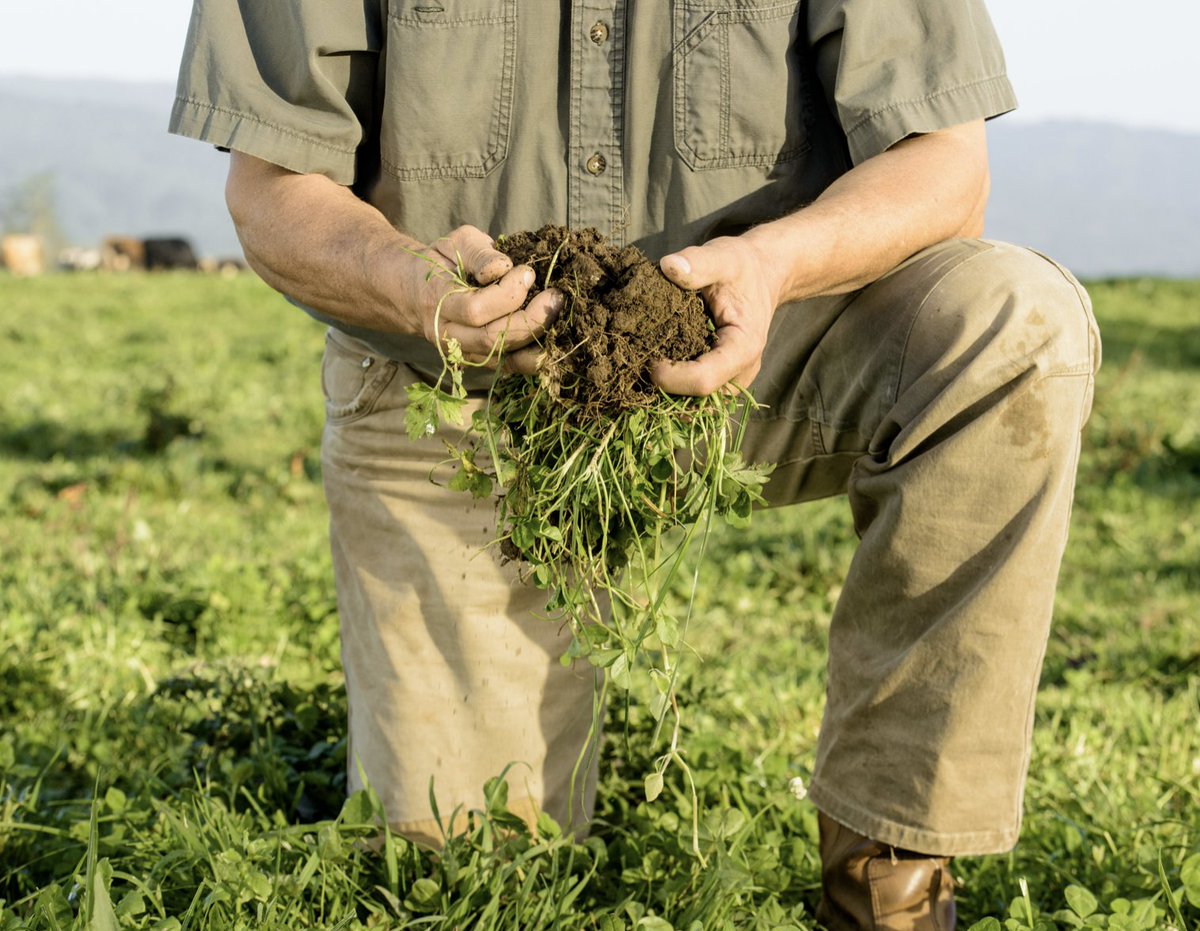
586,502
171,719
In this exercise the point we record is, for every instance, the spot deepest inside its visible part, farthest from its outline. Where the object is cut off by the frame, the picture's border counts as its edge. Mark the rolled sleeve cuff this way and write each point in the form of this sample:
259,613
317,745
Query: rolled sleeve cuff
244,132
940,109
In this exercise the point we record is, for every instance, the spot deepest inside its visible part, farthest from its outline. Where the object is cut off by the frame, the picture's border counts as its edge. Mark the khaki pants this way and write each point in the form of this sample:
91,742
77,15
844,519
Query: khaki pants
946,400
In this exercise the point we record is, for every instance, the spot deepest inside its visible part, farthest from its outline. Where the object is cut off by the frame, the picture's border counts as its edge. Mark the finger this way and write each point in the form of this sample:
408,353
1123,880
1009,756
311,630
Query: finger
479,307
735,356
695,267
524,361
476,251
508,333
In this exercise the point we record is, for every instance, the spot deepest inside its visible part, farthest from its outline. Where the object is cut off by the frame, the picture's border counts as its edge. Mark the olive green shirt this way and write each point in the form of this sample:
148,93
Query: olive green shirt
660,122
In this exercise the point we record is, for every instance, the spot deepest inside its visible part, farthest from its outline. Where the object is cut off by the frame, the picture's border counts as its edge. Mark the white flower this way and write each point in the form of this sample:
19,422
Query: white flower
798,789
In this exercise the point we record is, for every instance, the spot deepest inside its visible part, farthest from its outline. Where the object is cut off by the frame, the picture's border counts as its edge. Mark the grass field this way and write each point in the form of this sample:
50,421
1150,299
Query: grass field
171,750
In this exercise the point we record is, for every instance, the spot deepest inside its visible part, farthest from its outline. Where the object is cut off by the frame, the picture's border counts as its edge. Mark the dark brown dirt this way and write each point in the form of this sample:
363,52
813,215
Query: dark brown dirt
620,316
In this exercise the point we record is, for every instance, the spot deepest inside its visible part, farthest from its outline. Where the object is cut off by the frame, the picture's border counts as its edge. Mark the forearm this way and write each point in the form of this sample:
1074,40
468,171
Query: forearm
314,241
920,192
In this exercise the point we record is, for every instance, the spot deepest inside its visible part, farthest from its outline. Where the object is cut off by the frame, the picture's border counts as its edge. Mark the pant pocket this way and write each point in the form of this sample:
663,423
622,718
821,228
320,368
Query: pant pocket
352,382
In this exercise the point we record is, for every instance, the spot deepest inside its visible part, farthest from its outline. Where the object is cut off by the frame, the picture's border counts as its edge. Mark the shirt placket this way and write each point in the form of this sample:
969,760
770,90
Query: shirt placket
596,189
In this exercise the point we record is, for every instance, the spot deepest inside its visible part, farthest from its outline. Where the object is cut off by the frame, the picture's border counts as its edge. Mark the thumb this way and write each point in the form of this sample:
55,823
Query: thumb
691,268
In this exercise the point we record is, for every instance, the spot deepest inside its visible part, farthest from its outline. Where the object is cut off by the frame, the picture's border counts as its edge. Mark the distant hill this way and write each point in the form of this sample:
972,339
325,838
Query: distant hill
1104,199
116,168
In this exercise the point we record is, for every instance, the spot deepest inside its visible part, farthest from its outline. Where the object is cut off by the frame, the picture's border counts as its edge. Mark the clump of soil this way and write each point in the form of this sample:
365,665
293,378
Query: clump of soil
620,316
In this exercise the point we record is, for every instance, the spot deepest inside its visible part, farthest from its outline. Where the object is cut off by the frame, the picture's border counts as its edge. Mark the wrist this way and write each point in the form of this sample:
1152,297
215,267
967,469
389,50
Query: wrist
775,261
397,275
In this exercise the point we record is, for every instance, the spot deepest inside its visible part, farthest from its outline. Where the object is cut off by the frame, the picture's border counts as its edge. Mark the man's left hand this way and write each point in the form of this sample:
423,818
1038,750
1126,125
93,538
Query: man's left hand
741,292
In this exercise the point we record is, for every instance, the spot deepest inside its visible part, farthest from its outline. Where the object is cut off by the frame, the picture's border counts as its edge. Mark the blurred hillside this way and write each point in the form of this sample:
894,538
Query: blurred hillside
116,170
1105,200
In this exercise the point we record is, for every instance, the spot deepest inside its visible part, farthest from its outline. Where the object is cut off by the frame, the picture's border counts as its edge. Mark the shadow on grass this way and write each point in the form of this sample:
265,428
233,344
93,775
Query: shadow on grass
41,440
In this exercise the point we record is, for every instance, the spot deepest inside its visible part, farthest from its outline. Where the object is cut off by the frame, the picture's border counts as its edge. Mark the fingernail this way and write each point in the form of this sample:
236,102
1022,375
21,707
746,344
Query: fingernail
528,278
557,299
683,265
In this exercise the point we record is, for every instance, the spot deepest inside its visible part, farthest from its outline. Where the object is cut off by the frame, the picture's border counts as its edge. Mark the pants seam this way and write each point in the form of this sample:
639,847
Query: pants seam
894,392
1031,710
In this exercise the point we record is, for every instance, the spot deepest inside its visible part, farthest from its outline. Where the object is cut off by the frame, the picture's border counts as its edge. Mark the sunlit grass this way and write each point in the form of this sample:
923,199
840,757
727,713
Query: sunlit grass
171,718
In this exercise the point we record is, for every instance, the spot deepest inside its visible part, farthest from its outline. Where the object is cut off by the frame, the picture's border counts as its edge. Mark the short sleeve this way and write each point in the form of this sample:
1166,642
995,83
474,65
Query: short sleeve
291,83
893,68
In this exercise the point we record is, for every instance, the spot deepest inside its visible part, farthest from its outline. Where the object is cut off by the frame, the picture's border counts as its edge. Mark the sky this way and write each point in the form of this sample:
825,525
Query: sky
1108,60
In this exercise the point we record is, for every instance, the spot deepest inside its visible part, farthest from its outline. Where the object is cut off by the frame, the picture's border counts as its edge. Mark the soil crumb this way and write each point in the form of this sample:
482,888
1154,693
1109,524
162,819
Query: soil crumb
620,316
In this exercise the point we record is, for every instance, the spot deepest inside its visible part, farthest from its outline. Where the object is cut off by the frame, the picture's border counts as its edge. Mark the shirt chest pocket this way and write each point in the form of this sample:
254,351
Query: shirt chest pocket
448,87
738,99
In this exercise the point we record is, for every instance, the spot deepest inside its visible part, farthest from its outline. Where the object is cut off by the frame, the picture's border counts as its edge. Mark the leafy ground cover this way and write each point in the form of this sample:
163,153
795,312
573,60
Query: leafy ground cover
171,750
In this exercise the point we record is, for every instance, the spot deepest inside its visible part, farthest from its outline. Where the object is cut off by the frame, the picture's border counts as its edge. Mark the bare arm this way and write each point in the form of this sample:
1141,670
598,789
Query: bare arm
315,241
921,191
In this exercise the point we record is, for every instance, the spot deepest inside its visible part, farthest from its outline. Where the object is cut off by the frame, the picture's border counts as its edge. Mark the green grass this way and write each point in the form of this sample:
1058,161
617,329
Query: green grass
171,750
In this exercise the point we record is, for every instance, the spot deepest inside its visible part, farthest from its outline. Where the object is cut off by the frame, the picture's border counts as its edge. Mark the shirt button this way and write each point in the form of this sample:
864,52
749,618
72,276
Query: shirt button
598,33
366,362
596,164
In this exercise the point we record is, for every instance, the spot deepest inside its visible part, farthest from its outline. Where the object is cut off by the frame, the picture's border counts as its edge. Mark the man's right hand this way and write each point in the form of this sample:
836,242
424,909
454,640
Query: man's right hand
314,241
481,318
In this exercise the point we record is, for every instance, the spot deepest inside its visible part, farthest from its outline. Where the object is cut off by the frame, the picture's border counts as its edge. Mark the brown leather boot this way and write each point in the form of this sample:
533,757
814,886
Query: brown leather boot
869,886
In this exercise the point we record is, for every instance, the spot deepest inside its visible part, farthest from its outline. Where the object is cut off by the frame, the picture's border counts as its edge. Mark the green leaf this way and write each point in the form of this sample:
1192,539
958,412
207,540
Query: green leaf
103,916
259,884
1019,909
667,630
495,793
1082,902
461,480
987,924
358,809
661,681
506,471
450,409
1189,873
522,537
654,786
662,468
619,672
1143,914
654,923
547,826
53,906
131,905
659,705
604,658
420,420
481,485
424,896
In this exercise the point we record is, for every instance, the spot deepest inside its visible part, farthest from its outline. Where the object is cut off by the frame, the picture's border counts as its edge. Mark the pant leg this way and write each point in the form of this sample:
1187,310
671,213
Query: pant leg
947,399
451,671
